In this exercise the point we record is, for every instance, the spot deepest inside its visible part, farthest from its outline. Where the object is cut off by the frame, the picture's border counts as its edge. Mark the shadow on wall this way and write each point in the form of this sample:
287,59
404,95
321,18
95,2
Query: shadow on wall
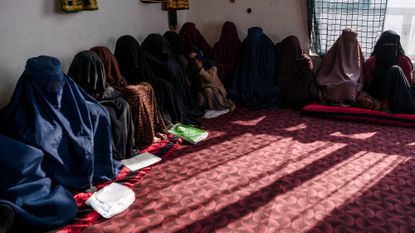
6,91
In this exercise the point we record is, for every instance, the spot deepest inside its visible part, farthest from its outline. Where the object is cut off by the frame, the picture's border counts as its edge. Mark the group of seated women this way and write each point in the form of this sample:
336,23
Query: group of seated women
63,133
382,82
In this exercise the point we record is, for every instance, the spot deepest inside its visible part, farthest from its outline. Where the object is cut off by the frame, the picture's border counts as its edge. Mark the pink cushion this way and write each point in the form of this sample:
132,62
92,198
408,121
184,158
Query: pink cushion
360,114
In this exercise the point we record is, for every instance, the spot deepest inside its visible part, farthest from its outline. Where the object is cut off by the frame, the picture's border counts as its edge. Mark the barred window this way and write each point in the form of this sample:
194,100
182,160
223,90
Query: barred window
327,19
400,17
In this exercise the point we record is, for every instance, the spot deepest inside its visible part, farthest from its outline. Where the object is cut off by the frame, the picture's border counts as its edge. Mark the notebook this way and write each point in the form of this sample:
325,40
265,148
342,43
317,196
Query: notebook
140,161
189,133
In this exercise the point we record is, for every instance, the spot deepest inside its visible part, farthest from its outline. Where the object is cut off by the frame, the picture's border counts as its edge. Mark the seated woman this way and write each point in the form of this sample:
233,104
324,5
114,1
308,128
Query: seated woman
148,122
192,37
135,70
227,51
158,54
49,112
253,81
88,71
177,47
340,74
29,200
179,51
388,75
213,95
295,74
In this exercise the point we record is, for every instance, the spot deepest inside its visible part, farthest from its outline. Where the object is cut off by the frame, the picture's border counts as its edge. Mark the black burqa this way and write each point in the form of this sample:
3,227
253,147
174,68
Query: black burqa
87,70
390,83
295,74
253,81
135,69
161,60
178,48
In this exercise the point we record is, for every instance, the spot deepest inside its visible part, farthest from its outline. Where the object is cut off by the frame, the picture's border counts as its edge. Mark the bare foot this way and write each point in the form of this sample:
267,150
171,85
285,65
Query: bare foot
156,140
161,136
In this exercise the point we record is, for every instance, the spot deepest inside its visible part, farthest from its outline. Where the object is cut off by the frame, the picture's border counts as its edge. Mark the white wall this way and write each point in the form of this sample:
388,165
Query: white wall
278,18
34,27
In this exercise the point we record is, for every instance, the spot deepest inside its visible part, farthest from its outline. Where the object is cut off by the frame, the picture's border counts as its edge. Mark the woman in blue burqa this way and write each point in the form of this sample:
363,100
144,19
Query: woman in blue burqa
49,112
253,81
29,200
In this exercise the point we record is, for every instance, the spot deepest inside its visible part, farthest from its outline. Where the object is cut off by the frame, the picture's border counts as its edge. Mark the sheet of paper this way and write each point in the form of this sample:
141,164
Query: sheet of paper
140,161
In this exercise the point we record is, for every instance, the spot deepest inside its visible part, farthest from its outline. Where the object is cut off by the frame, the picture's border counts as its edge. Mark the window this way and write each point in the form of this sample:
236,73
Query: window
327,19
400,17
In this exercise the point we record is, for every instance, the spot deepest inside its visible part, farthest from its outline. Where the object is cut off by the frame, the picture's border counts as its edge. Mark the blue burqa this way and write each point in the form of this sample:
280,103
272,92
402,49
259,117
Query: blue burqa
49,112
253,81
36,200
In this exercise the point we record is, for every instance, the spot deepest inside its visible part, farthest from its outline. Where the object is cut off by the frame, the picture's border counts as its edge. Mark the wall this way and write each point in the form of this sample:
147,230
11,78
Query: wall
278,18
34,27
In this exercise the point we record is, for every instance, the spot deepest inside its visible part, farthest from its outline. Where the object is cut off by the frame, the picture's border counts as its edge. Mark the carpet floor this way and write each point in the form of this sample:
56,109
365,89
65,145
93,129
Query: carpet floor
278,171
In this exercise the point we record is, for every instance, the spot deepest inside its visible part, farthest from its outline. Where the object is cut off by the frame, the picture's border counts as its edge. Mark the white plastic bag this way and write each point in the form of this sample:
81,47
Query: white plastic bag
111,200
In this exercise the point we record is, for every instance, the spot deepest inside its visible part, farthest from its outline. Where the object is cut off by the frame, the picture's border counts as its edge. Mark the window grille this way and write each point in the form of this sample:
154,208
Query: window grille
327,19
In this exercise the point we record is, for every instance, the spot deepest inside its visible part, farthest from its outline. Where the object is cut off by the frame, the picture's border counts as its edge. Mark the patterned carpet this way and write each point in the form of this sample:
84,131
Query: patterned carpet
277,171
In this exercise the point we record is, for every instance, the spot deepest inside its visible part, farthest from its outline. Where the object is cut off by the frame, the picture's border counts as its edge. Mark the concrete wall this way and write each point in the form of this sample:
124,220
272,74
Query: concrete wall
34,27
278,18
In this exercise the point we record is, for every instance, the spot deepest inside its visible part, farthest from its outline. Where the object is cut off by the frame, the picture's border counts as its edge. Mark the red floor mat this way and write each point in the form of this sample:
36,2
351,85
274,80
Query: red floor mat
275,171
128,178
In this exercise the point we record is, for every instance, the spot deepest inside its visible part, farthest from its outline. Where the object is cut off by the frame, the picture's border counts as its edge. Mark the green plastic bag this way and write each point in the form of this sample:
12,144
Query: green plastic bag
188,133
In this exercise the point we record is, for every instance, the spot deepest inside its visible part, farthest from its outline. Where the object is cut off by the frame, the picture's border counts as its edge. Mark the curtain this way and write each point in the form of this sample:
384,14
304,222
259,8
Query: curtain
327,19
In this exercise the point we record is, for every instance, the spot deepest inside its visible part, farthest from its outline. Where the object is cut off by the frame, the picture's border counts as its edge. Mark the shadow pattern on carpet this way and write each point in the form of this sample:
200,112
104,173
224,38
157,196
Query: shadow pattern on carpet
276,171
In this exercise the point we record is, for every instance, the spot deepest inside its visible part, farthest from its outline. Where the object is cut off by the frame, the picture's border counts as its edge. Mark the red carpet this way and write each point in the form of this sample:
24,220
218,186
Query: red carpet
275,171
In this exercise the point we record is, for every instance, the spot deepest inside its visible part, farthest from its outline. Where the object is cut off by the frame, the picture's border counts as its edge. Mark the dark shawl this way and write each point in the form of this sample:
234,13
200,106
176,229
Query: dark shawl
389,82
88,71
340,74
192,37
164,64
226,51
48,111
136,69
177,48
386,51
295,73
253,81
112,72
38,202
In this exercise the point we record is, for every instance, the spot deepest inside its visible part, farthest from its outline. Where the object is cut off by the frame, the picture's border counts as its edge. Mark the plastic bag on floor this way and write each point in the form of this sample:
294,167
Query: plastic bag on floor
111,200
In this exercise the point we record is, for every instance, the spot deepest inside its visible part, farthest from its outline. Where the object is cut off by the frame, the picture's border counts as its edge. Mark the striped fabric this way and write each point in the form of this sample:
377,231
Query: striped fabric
70,6
176,5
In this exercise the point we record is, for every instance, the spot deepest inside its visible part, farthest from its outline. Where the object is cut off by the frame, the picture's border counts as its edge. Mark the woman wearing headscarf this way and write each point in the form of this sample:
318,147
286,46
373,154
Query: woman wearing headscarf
340,74
388,75
88,71
136,70
49,112
193,38
253,81
295,74
213,95
148,122
227,51
158,54
178,49
30,201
